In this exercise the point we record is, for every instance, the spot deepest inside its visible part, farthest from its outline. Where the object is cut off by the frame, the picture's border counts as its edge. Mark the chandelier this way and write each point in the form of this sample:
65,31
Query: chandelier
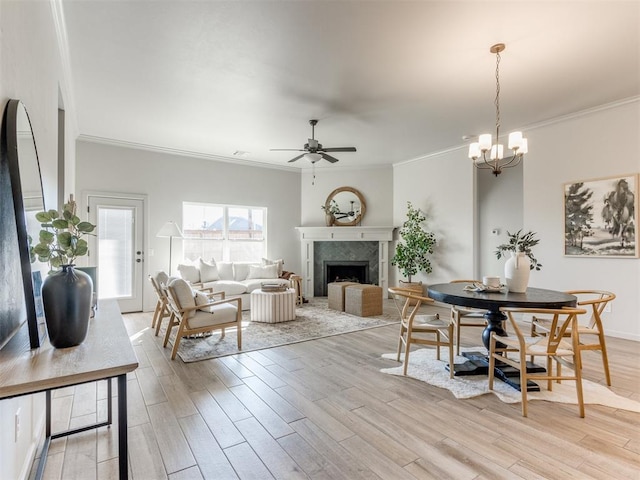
517,143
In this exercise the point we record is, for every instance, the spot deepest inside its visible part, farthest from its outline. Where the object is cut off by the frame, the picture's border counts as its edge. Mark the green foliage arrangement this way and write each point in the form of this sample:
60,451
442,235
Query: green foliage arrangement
61,239
332,208
412,255
520,242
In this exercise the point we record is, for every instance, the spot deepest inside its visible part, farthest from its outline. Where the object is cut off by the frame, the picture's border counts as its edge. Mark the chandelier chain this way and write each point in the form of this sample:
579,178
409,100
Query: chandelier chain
497,101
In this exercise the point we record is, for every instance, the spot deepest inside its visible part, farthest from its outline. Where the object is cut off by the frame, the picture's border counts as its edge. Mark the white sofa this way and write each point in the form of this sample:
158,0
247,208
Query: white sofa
235,279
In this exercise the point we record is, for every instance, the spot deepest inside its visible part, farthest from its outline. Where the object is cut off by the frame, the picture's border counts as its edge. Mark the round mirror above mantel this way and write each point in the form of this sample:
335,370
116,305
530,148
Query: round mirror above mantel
346,205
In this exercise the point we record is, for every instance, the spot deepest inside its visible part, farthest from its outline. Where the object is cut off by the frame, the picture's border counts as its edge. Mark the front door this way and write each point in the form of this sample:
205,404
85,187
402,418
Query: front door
117,249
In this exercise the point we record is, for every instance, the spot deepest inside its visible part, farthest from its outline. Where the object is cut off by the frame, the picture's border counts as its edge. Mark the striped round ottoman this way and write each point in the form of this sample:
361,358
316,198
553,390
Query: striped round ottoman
273,307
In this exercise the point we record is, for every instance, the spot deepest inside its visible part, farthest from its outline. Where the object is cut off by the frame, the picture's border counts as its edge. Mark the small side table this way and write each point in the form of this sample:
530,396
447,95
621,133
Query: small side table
296,283
273,307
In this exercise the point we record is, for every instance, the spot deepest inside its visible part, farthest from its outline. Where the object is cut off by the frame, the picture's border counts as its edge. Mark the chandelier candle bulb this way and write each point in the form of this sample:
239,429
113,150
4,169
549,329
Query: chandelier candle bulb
485,141
474,150
515,140
497,151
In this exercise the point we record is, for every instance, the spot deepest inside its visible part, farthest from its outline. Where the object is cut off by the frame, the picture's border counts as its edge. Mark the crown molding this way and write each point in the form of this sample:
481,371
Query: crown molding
183,153
532,126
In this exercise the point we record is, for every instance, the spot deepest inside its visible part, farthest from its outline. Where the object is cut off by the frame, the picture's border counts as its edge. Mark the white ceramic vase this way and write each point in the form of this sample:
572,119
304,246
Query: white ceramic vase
516,272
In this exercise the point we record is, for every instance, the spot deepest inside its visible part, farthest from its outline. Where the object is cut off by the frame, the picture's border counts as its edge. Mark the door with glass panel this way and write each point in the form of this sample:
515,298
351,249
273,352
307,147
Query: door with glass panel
117,249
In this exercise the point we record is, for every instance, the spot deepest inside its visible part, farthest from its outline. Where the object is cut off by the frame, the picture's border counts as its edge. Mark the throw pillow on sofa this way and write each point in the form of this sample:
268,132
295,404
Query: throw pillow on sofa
241,270
225,270
208,271
190,273
270,271
279,263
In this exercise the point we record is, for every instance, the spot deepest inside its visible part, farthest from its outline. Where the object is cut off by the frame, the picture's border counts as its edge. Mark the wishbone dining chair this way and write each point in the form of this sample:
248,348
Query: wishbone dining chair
420,329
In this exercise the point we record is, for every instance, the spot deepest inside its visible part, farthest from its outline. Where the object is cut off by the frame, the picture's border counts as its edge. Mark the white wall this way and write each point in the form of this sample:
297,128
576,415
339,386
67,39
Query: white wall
375,184
598,144
29,71
443,187
499,207
168,180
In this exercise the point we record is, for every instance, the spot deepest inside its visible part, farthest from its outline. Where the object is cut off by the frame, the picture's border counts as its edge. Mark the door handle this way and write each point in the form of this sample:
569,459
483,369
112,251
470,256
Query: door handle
138,252
138,260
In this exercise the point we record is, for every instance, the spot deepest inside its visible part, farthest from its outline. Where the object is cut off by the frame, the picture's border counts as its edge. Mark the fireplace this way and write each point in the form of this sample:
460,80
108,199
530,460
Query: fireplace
351,260
344,245
344,271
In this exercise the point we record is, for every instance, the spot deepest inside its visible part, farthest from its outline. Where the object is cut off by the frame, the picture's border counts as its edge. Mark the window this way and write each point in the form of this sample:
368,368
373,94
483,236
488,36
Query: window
223,232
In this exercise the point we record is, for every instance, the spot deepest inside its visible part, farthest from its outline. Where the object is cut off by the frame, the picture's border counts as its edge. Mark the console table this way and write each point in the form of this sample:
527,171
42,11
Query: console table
105,354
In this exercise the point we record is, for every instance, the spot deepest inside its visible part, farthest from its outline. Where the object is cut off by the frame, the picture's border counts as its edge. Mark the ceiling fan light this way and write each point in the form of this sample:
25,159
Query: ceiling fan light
313,157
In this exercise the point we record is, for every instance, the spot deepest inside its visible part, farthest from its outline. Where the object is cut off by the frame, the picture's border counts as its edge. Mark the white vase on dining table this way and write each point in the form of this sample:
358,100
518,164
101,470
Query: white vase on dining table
516,272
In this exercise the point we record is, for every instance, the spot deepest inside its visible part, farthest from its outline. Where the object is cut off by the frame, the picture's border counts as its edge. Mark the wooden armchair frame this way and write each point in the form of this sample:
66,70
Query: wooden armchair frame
162,306
180,317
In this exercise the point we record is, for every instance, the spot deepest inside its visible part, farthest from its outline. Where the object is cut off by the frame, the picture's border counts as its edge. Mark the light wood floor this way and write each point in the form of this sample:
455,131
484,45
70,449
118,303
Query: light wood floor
322,410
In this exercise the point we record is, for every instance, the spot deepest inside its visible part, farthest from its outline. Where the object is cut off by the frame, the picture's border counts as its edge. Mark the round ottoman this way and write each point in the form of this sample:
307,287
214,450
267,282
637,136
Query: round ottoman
273,307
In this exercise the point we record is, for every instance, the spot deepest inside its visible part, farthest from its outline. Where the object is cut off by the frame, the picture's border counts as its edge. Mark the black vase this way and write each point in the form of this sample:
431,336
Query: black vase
66,296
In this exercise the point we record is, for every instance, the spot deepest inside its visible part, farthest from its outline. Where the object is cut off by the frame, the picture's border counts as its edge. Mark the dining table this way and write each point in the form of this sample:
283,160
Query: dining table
491,301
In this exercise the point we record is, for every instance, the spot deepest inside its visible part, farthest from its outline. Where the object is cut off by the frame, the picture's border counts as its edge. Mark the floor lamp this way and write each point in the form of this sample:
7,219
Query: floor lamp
170,229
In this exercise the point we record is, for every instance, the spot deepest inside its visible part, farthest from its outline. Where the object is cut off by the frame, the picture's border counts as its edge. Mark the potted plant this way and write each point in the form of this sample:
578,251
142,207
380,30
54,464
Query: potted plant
517,268
66,292
330,210
412,254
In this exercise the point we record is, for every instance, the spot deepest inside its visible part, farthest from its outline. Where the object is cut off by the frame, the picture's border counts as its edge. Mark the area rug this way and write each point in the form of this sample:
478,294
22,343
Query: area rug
424,366
313,320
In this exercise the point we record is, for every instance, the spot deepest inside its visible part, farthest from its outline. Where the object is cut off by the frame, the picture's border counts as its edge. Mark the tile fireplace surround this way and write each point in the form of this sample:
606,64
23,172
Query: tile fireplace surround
309,235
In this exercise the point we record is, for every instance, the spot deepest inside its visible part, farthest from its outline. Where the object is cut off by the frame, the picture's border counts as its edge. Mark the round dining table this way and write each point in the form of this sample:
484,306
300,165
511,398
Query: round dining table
461,294
457,294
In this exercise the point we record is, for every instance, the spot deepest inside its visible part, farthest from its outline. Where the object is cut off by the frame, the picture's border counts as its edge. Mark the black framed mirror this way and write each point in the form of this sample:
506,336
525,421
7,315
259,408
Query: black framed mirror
21,200
351,206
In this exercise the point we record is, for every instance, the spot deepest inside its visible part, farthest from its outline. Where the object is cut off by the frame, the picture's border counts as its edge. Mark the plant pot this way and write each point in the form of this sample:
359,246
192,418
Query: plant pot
413,286
93,273
329,219
66,296
516,272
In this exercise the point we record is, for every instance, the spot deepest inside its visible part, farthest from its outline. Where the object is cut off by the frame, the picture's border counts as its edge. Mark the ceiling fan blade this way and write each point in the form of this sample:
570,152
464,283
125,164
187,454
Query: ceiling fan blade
339,149
286,150
329,157
296,158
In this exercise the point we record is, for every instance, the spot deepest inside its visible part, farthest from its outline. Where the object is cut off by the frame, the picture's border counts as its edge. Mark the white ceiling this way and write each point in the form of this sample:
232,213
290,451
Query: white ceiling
396,79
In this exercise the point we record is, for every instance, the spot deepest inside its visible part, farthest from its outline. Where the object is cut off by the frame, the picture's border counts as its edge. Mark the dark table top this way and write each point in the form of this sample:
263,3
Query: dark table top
454,294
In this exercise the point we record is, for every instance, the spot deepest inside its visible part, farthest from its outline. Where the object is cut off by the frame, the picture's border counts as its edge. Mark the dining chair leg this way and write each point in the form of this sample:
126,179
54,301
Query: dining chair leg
605,358
407,350
576,360
400,342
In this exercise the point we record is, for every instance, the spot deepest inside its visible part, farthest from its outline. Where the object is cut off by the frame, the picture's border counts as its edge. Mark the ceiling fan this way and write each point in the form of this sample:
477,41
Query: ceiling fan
314,150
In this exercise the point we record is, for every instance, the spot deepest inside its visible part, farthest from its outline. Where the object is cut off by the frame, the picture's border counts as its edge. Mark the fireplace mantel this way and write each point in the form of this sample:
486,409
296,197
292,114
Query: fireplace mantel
343,234
309,235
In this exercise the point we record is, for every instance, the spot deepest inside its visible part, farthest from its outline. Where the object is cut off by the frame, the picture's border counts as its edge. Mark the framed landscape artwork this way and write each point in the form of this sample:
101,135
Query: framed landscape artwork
601,217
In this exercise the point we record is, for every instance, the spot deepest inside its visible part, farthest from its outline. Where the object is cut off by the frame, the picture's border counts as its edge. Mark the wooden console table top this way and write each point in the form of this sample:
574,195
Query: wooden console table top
106,352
